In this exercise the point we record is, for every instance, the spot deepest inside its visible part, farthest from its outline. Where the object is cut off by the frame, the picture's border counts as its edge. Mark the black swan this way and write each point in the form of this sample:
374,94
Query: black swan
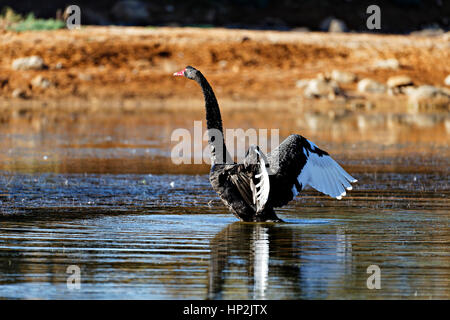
246,188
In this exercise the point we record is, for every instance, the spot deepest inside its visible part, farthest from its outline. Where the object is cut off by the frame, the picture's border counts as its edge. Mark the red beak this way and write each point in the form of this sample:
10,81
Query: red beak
179,73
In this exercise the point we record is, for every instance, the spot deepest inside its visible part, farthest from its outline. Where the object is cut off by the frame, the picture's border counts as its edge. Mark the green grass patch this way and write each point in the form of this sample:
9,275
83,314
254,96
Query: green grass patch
9,20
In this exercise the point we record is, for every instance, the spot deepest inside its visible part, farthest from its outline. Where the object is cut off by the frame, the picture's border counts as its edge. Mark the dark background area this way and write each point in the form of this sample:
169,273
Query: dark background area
397,16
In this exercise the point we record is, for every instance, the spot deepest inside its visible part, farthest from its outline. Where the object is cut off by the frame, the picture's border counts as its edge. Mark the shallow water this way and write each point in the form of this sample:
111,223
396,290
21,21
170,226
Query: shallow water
317,254
94,197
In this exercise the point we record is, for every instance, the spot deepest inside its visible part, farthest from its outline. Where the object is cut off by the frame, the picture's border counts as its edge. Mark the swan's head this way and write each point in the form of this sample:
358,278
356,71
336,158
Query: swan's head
189,72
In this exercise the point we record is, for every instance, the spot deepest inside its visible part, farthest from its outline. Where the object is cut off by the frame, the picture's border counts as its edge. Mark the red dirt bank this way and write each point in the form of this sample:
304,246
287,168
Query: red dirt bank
127,66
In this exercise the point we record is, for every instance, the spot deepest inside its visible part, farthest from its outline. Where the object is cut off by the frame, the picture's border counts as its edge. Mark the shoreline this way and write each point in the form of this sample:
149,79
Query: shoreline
130,67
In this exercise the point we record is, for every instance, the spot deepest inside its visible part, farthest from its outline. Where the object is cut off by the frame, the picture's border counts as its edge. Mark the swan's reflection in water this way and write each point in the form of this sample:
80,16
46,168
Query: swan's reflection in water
265,261
260,245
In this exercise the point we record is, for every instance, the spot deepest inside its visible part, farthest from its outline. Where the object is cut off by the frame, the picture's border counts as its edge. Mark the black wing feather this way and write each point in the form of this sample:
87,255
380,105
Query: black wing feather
241,179
291,159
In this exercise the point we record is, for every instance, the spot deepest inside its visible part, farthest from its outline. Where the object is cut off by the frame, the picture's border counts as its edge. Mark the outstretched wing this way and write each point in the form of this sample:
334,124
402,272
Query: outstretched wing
252,179
300,163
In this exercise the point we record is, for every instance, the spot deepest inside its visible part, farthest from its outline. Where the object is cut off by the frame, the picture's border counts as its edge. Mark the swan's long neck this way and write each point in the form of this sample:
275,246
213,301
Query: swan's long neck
219,153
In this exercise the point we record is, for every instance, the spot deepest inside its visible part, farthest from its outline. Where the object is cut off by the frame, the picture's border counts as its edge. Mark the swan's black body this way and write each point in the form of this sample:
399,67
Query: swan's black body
246,188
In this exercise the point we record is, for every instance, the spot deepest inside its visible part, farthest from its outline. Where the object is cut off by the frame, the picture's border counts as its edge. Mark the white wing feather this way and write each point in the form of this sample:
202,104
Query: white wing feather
261,192
325,175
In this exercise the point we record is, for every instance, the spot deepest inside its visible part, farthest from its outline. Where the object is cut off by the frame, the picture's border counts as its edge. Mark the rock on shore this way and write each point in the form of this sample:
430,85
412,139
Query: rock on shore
28,63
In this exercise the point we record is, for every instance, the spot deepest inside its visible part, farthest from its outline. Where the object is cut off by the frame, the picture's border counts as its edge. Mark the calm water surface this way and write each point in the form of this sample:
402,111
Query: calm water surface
96,198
